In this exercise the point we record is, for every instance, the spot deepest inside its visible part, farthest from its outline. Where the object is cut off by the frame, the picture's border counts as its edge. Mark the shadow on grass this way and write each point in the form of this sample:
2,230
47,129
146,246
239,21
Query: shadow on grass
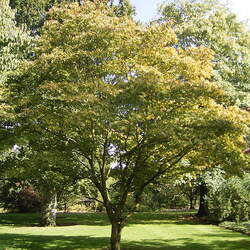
36,242
18,219
101,219
187,244
97,219
67,219
180,218
87,219
25,241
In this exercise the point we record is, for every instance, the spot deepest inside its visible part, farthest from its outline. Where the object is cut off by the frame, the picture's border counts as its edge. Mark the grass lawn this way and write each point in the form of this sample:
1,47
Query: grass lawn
91,231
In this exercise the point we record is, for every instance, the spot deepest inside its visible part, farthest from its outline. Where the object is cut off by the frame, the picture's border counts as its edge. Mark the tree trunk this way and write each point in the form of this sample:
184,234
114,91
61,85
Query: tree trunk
203,207
115,240
191,202
65,207
49,210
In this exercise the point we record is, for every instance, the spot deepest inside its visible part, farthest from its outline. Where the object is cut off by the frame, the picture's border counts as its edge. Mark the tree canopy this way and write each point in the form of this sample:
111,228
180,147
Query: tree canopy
211,24
33,13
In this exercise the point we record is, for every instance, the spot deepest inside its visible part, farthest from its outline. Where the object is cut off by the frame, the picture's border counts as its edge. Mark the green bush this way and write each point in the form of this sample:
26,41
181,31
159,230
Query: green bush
230,199
242,227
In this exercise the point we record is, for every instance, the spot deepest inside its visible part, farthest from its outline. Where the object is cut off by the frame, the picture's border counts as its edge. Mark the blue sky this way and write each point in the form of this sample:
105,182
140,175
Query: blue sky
147,9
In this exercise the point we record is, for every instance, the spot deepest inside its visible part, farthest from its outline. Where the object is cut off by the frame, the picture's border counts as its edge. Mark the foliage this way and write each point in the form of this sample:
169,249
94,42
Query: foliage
14,45
30,13
188,185
73,195
13,42
210,24
158,197
47,172
229,199
242,227
170,193
124,102
33,13
52,173
16,196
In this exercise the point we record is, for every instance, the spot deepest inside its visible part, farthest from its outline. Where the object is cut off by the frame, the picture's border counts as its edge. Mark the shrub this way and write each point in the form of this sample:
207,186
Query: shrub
242,227
15,198
28,201
230,200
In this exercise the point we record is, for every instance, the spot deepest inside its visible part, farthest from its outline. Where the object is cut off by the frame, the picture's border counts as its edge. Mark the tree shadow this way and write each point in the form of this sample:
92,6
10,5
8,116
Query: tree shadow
87,219
187,244
18,219
162,215
97,219
63,219
25,241
179,218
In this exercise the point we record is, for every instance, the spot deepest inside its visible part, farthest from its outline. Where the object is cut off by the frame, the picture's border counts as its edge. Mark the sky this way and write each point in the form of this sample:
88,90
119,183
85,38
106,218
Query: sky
147,9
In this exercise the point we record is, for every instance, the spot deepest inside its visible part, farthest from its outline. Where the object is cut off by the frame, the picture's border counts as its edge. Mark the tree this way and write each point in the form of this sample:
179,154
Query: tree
33,13
30,13
49,172
124,101
14,46
188,186
167,193
211,24
14,43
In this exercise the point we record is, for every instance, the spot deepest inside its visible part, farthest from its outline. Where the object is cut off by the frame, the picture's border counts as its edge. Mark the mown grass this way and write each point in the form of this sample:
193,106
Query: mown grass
91,231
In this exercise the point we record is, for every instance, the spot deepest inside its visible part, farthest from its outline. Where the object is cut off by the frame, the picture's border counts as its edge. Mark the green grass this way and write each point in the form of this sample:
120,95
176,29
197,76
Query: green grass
168,231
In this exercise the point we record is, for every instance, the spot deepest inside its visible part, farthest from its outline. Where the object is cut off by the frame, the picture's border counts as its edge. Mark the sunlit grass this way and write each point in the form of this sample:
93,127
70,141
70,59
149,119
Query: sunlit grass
91,231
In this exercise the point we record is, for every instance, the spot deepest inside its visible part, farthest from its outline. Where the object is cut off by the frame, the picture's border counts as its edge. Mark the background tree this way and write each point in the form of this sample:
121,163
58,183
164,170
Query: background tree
166,193
30,13
33,13
14,47
50,173
188,186
16,196
124,101
211,24
37,180
14,43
